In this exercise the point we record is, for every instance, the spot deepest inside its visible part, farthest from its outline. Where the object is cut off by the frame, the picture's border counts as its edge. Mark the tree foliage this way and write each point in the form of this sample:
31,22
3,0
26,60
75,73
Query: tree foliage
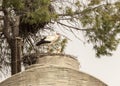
104,27
100,23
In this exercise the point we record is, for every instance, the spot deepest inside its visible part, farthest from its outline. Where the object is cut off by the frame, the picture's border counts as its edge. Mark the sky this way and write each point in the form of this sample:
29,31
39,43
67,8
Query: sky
106,68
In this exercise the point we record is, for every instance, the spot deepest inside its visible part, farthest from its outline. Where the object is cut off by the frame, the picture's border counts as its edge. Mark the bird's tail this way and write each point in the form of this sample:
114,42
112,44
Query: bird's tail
42,42
39,43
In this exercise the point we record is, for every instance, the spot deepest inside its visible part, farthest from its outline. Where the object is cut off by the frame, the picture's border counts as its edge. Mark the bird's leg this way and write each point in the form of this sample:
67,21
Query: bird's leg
50,48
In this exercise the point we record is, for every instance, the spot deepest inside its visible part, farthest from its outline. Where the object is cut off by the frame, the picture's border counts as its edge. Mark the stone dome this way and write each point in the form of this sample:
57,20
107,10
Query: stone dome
58,60
53,70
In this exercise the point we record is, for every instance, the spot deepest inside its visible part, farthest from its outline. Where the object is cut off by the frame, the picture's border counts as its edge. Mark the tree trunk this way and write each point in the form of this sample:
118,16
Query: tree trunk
15,55
15,48
11,32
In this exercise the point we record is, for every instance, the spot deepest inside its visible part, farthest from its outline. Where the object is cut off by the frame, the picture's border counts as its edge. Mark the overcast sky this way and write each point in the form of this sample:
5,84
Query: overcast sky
106,68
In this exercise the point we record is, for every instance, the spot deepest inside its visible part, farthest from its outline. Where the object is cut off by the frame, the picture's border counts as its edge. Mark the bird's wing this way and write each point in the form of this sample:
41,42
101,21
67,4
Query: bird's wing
50,38
43,38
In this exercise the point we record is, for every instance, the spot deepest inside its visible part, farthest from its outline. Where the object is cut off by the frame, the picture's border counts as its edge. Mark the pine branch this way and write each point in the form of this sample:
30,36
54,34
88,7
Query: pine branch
74,27
82,12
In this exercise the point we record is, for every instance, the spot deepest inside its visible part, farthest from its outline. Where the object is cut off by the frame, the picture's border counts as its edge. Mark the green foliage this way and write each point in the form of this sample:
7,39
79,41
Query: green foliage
63,44
15,4
38,12
103,27
39,16
86,17
32,11
100,20
78,3
94,2
69,11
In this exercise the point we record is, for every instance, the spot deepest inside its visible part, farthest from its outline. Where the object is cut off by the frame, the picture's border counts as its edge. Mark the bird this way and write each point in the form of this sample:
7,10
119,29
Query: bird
49,39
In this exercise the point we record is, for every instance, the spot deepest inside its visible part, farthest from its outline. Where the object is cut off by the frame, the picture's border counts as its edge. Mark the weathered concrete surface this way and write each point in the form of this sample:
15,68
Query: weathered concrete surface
59,60
55,73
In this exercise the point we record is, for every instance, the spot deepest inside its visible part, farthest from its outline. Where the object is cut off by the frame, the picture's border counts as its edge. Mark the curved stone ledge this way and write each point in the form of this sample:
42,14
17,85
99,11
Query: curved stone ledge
52,70
52,76
60,60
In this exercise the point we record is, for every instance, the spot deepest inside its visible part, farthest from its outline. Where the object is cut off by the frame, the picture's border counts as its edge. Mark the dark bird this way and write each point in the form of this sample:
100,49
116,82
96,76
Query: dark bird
48,39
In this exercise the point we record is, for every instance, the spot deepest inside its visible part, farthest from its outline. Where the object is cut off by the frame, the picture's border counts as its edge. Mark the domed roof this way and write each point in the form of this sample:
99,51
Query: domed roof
53,70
